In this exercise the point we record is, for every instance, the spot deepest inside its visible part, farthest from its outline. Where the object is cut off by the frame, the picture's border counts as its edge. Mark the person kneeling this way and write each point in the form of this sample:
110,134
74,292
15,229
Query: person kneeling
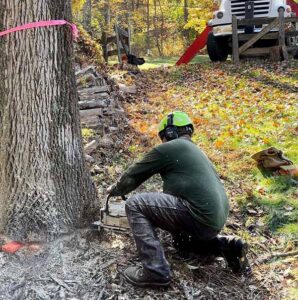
193,204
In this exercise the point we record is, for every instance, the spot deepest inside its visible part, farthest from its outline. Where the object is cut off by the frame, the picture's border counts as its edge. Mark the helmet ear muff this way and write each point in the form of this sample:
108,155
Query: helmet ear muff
171,132
189,130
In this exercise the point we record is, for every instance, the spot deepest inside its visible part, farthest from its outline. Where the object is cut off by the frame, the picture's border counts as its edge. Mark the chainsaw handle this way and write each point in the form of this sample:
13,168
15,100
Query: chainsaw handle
107,204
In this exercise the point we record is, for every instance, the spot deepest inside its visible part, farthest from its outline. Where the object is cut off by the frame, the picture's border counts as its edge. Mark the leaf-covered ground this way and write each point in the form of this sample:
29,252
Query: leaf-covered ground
237,111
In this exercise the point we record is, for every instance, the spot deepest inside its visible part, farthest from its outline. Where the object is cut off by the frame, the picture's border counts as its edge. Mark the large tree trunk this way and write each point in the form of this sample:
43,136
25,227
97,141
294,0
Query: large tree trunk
45,188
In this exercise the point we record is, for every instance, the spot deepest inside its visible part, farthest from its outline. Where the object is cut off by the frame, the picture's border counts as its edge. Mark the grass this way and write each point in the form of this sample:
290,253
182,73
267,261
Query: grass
164,61
276,197
283,207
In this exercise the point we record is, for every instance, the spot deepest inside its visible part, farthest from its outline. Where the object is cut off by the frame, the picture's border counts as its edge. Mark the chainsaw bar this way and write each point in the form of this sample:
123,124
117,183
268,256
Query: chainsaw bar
99,225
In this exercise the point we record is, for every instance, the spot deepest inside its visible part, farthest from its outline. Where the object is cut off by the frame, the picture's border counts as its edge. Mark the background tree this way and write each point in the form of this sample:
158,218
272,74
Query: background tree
186,15
87,15
44,186
199,13
165,27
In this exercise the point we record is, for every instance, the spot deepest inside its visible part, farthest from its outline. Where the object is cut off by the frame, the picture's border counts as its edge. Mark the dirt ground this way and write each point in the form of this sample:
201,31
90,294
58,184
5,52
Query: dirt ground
88,265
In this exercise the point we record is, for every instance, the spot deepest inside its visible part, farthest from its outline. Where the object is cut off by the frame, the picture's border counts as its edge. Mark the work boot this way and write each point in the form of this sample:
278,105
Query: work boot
187,244
139,277
234,250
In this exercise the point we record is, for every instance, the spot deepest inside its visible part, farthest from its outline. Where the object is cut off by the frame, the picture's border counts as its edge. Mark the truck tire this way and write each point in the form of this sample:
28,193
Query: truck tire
217,48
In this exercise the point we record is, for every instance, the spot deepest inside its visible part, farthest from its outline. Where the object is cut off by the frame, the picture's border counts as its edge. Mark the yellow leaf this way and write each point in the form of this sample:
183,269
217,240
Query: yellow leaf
266,141
241,122
219,143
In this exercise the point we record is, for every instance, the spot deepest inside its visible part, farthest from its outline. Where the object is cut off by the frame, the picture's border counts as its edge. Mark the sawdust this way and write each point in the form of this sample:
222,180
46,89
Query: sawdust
88,265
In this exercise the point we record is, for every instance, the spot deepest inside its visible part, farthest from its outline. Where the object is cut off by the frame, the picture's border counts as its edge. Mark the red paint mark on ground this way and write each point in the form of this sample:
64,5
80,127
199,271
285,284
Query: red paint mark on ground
12,247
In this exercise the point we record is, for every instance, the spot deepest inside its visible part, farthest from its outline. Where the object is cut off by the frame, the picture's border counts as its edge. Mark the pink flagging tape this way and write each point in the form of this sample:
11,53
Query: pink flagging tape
73,27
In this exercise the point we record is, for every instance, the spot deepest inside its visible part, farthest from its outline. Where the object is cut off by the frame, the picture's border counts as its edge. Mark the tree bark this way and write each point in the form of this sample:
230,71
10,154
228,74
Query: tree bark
148,28
162,27
156,31
186,32
87,15
45,188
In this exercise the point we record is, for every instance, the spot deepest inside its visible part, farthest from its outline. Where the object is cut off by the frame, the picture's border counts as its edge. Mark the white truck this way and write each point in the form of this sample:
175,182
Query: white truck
219,44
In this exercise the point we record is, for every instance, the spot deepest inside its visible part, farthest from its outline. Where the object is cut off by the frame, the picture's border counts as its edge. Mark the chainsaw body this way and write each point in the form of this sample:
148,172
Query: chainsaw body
113,215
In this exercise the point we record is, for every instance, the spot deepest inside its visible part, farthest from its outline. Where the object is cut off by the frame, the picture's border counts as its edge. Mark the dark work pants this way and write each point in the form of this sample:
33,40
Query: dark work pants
147,211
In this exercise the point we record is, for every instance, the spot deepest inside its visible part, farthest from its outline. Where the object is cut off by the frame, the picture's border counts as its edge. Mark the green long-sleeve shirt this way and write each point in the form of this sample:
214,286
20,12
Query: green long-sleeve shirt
186,173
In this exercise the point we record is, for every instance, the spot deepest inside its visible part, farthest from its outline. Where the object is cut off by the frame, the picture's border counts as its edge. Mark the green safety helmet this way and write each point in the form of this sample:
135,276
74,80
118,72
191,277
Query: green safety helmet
170,125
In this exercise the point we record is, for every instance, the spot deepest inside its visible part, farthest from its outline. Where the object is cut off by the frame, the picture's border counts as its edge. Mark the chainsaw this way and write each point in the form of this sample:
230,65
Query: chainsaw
113,216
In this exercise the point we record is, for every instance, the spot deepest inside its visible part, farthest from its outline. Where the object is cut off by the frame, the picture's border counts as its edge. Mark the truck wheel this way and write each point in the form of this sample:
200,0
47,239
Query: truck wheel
217,48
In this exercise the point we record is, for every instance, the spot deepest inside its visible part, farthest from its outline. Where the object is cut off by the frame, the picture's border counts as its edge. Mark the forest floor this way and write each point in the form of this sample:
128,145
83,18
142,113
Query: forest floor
237,111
